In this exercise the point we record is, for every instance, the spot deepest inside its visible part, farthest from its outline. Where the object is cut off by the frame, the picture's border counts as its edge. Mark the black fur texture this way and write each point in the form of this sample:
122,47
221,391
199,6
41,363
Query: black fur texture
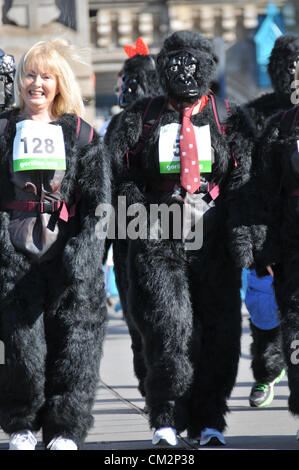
285,51
259,111
244,129
185,304
266,352
143,69
53,313
284,54
277,181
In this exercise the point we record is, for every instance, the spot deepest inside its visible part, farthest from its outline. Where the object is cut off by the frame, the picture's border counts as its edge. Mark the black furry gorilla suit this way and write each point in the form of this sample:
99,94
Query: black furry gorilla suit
266,350
53,308
185,304
140,79
277,184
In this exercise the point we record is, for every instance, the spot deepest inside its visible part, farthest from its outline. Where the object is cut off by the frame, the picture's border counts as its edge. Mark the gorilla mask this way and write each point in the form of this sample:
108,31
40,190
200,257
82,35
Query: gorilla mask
130,90
186,66
140,79
282,63
181,74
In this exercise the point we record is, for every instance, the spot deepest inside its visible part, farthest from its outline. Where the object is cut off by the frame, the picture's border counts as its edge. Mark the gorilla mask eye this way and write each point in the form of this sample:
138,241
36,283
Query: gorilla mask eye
182,63
191,68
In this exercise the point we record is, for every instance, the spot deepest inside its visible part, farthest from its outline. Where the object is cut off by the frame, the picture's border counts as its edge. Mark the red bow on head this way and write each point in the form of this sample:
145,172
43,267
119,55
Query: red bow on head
140,48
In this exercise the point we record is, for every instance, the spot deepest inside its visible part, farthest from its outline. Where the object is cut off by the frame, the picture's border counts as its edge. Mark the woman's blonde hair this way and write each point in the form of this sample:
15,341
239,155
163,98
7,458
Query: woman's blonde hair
58,57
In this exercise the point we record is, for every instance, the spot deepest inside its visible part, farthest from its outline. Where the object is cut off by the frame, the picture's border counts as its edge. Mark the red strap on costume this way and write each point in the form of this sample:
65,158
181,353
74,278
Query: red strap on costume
214,192
78,126
216,114
64,214
79,123
222,129
32,206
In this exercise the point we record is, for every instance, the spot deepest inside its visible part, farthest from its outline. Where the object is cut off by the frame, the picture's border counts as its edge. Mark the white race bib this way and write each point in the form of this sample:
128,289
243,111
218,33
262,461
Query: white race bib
38,146
169,148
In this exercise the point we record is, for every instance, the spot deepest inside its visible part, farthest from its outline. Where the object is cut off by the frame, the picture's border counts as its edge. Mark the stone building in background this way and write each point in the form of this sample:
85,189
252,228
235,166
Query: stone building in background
230,24
104,27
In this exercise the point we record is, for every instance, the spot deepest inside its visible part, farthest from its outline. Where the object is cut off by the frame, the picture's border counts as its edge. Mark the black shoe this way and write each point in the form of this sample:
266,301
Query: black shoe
262,394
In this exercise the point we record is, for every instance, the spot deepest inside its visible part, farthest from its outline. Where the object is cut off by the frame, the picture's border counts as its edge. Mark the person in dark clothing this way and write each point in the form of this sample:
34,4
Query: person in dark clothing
276,184
52,294
139,80
266,349
183,283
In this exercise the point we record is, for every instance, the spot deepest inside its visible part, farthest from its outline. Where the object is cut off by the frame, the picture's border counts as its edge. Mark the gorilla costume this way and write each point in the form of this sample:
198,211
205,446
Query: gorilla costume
184,300
267,357
281,69
52,294
277,185
266,350
140,79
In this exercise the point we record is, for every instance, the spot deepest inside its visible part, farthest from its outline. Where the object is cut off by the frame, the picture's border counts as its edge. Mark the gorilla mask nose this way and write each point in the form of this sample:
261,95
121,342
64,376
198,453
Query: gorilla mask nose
185,78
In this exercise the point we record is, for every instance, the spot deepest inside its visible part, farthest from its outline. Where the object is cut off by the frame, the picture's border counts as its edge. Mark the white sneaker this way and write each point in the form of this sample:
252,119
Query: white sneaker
165,436
211,436
62,443
22,440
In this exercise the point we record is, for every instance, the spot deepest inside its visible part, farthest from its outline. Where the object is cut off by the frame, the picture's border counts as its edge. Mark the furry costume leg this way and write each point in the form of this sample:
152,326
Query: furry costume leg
22,376
267,361
120,250
159,303
75,322
215,285
286,289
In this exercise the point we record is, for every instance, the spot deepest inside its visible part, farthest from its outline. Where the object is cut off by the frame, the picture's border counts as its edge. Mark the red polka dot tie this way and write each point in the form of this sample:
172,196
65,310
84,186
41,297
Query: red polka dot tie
190,174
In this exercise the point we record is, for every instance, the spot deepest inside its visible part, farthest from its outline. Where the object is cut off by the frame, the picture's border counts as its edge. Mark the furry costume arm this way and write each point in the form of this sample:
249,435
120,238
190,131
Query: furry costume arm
122,136
239,191
267,247
13,263
84,252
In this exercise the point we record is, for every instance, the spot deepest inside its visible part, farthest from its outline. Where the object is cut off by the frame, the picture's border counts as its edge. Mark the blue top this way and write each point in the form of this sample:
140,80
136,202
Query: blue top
260,301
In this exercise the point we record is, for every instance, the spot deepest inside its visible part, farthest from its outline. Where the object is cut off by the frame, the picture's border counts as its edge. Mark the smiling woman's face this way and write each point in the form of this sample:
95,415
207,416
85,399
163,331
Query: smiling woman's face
39,88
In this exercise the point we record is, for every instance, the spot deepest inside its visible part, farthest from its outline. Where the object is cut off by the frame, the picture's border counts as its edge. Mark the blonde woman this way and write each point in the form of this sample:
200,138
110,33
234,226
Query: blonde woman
53,175
278,187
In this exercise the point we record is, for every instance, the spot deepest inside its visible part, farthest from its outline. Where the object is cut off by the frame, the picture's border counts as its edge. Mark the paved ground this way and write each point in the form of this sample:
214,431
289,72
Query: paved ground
121,424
